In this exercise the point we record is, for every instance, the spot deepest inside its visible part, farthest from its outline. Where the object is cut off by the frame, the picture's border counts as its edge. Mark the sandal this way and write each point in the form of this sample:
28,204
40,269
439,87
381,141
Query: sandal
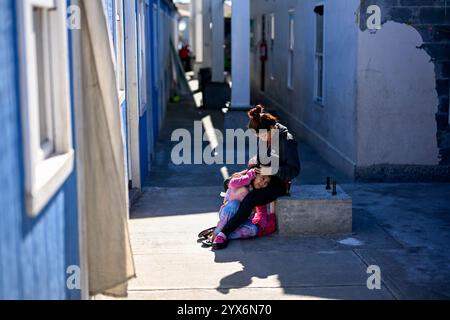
206,233
207,243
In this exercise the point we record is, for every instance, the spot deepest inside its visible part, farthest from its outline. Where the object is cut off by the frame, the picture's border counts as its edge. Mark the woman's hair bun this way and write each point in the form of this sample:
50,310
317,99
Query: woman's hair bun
260,120
256,112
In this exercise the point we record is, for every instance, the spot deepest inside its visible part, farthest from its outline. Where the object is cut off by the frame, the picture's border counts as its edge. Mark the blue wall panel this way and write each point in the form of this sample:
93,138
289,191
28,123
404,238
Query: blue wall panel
111,15
125,132
150,121
154,45
34,253
143,146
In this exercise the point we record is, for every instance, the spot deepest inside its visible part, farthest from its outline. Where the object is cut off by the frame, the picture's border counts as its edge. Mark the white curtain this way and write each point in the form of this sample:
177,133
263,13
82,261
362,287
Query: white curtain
109,255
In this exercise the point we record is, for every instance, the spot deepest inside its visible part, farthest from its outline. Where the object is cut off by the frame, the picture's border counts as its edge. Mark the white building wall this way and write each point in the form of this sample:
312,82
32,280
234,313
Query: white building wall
397,99
379,89
207,34
197,36
329,128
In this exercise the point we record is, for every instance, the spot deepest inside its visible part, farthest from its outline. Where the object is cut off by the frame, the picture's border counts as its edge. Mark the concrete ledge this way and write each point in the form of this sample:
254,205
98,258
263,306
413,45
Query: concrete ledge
312,210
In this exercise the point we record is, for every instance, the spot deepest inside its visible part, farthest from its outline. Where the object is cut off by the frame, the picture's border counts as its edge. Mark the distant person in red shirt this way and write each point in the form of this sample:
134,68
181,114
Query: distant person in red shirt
185,56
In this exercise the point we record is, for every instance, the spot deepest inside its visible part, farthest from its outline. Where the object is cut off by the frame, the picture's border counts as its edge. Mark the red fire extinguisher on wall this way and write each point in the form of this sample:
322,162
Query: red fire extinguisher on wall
263,51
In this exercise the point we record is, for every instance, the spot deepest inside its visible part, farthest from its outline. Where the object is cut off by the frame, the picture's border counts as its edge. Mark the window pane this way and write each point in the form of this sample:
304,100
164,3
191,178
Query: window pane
43,60
319,77
291,31
37,20
319,10
319,34
120,46
291,50
143,56
272,45
291,70
272,26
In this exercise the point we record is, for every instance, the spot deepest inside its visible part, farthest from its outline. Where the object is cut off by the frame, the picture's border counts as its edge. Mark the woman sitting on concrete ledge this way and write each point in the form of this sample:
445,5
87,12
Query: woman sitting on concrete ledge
284,148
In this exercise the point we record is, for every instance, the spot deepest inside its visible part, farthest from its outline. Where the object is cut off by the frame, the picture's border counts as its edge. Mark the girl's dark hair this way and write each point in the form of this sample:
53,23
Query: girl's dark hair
259,120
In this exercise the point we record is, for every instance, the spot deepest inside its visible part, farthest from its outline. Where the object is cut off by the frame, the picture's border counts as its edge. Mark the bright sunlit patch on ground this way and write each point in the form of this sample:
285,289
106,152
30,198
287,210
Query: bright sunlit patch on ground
194,85
172,222
198,97
225,173
351,242
210,132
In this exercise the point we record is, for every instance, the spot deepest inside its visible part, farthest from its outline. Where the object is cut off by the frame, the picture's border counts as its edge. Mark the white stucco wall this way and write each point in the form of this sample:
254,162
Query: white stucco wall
207,34
329,128
397,99
184,35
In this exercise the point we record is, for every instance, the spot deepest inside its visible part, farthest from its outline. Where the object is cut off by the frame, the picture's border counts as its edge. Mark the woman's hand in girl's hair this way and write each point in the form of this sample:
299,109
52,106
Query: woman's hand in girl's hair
253,162
264,171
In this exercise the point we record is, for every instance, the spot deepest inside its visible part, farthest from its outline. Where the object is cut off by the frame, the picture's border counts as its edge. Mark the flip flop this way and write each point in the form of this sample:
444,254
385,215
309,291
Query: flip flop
207,243
205,233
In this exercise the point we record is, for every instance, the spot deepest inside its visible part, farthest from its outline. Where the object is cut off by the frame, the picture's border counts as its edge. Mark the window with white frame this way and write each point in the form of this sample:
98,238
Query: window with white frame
272,45
290,74
319,50
45,108
142,57
120,47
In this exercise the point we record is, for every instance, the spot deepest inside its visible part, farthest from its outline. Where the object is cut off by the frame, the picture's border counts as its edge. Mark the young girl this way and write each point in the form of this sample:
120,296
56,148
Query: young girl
238,188
266,127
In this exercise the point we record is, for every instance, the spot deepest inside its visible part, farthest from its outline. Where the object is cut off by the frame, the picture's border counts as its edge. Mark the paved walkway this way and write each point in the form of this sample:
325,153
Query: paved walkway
404,229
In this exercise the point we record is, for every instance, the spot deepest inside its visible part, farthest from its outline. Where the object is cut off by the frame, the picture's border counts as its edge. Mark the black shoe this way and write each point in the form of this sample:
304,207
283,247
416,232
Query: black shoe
206,233
207,243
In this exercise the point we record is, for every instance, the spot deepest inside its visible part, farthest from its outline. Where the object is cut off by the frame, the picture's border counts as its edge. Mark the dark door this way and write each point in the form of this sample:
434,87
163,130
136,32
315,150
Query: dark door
263,62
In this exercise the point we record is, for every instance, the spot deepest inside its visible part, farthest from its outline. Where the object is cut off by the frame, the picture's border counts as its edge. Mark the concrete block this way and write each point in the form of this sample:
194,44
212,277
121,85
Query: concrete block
216,95
204,77
312,210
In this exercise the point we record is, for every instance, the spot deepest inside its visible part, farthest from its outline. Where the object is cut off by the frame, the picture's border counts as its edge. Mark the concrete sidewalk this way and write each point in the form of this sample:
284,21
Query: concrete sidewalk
407,240
402,228
172,265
